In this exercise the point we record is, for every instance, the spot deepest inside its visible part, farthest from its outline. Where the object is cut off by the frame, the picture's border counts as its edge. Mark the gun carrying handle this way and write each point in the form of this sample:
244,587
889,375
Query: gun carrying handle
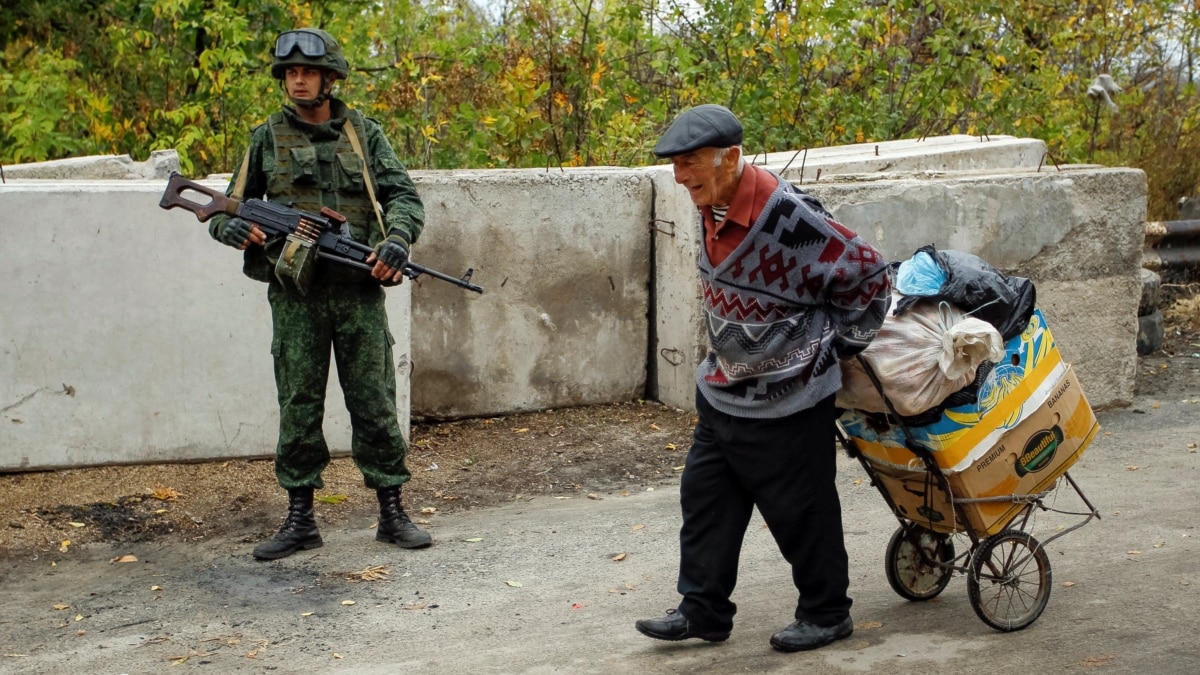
217,203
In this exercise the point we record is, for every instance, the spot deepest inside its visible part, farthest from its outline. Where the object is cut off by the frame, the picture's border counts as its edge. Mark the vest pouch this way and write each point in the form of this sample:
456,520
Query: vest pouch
304,165
297,264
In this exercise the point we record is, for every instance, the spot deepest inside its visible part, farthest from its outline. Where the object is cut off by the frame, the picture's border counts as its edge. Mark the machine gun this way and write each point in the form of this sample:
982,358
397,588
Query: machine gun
326,230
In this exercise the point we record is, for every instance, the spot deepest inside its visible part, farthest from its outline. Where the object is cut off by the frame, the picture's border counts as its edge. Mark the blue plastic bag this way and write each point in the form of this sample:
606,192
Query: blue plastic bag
920,275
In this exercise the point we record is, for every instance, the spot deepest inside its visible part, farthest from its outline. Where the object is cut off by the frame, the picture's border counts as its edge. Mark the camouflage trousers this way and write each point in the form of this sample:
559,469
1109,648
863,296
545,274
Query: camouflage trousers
352,319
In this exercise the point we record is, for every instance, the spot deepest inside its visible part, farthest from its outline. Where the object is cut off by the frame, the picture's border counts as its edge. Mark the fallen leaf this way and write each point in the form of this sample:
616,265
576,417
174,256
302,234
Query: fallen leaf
124,559
307,613
78,618
858,481
332,499
1131,467
868,625
630,587
593,495
670,446
638,527
521,430
61,607
1191,445
472,540
62,548
337,655
678,468
1097,661
412,607
619,557
655,427
1068,584
1156,405
159,512
373,573
1134,552
429,510
77,524
165,494
156,588
347,602
514,584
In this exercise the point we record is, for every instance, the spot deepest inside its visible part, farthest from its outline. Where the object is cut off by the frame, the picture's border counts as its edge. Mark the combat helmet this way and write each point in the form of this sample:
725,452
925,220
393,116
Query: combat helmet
307,47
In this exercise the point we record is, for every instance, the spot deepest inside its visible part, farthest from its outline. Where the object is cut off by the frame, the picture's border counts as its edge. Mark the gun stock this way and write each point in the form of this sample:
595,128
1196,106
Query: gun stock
174,197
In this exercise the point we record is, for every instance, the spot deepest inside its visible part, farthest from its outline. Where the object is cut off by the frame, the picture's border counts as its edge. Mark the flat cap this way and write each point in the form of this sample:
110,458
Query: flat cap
705,126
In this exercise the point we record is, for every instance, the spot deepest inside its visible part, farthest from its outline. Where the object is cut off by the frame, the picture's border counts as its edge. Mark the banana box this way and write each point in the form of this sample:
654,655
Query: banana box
1026,460
1015,388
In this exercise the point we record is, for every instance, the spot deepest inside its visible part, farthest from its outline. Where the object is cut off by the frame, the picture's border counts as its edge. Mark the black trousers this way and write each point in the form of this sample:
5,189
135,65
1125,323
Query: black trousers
786,467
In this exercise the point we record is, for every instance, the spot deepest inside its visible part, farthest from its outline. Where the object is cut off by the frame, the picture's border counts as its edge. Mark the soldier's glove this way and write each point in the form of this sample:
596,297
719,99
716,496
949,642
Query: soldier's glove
392,251
234,232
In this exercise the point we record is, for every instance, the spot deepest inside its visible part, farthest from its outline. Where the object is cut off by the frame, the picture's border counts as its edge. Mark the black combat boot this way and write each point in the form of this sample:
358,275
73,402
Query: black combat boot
299,530
394,524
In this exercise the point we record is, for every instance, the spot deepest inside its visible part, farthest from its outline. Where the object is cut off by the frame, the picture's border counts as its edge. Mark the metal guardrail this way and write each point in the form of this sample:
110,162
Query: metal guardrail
1171,244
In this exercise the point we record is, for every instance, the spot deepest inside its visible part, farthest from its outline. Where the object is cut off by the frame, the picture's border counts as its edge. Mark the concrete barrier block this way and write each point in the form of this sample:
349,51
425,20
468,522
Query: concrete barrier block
1050,226
130,336
564,257
939,153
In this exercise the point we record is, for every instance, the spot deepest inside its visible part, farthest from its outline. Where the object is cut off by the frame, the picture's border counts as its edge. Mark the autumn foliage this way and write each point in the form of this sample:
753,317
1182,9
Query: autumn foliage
549,83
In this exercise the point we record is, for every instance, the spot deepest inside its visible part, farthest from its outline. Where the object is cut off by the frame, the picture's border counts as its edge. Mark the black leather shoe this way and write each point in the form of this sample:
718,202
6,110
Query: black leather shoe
802,635
675,626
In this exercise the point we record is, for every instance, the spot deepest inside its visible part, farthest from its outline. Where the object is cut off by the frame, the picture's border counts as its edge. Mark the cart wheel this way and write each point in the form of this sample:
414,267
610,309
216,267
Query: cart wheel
1009,582
910,562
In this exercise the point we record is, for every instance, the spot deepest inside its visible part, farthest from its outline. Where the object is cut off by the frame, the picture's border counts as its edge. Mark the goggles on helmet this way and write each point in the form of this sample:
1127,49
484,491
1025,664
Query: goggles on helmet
309,44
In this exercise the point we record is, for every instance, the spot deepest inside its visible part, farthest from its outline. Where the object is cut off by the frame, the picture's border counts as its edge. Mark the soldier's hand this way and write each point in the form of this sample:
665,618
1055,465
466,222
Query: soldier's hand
389,257
239,234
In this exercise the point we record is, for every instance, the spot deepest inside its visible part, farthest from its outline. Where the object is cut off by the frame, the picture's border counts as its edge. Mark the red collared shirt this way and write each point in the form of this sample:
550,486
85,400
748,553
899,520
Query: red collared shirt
754,189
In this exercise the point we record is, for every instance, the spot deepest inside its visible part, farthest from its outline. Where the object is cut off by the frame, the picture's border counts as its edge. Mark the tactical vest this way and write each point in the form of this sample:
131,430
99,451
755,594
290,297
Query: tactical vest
326,174
308,176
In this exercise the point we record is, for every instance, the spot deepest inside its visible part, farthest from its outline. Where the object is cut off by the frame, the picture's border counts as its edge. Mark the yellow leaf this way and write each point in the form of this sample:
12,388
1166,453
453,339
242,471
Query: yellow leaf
868,625
670,446
77,524
1134,552
62,607
332,499
308,613
678,468
521,430
655,427
124,559
593,495
78,617
347,602
165,494
514,584
156,588
619,557
1131,467
638,527
1068,584
473,539
337,655
427,510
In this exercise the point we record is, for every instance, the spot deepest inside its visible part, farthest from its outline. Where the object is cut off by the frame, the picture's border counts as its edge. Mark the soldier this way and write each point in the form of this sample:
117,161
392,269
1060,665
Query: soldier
318,152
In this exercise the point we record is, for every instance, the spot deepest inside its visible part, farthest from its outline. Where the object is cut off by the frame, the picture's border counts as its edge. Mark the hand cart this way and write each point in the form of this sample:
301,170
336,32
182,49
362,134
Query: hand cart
1007,569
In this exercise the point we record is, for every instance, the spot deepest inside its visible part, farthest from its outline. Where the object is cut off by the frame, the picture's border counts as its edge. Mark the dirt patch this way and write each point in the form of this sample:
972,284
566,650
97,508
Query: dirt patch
455,465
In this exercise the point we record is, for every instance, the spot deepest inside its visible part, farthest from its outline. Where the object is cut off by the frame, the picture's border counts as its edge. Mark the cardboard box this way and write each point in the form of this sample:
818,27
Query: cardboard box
1012,391
1026,460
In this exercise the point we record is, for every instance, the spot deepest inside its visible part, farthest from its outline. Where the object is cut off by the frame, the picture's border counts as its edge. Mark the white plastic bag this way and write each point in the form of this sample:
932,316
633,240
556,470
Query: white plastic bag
920,357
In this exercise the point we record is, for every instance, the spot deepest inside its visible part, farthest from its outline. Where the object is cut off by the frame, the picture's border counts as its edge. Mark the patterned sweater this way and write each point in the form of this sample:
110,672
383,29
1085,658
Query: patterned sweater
799,292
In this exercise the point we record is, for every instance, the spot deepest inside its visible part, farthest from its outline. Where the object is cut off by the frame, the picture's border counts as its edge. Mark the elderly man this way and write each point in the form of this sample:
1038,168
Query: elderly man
787,292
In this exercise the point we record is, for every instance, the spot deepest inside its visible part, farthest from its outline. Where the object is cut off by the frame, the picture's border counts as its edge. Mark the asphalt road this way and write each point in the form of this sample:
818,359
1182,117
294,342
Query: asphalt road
554,586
